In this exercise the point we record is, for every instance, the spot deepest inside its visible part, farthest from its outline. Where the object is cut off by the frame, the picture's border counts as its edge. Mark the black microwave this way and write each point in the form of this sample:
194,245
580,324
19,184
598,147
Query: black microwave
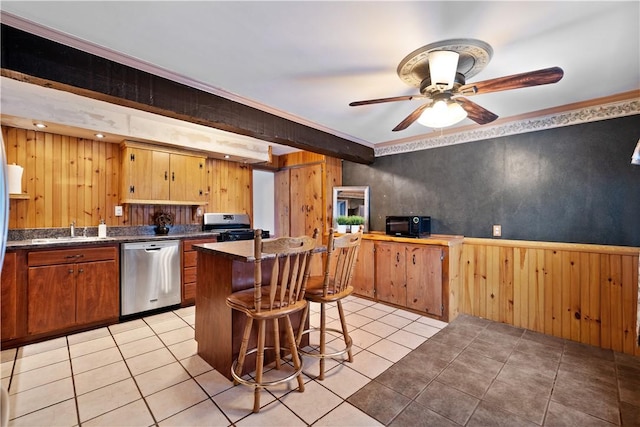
409,226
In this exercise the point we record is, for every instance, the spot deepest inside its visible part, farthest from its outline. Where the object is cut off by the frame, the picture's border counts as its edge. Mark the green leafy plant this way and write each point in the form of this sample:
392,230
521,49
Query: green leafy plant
355,220
342,220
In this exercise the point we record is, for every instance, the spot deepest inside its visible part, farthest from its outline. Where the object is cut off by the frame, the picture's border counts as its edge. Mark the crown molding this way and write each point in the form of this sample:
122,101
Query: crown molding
628,106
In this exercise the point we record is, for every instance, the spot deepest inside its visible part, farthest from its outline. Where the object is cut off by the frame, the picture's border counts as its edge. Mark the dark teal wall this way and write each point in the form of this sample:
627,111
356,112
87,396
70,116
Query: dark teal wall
569,184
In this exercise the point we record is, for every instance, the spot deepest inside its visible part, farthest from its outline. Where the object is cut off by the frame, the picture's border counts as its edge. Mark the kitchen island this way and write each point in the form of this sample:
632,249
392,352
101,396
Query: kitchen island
223,268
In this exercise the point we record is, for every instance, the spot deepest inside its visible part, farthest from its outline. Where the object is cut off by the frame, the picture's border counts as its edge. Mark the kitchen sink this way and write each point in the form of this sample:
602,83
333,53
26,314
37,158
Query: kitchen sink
66,239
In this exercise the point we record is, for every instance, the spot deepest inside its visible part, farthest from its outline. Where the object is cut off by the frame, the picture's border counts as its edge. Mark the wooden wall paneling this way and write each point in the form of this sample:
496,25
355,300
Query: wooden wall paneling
84,217
595,324
536,313
520,275
629,302
616,303
468,266
493,283
48,194
549,292
506,285
282,202
63,211
605,301
455,280
565,283
480,280
585,296
575,284
556,280
333,175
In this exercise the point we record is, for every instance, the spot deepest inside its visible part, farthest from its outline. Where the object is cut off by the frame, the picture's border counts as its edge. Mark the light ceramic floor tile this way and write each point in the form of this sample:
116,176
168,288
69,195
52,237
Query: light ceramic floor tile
205,413
195,365
332,313
314,403
86,347
373,313
395,320
274,415
213,382
369,364
237,402
178,335
356,320
141,346
133,335
363,338
186,311
8,359
378,328
133,414
61,414
384,307
191,320
168,325
40,376
407,314
175,399
95,360
311,365
158,379
389,350
105,399
100,377
93,334
127,326
40,359
161,318
347,415
407,339
149,361
40,397
433,322
184,349
8,355
285,370
422,329
351,306
344,381
42,347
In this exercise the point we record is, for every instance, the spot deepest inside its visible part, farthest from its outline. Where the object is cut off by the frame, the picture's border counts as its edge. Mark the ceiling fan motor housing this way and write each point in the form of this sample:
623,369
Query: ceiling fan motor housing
427,88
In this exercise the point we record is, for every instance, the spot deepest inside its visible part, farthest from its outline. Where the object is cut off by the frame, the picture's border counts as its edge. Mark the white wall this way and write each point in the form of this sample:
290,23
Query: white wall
264,200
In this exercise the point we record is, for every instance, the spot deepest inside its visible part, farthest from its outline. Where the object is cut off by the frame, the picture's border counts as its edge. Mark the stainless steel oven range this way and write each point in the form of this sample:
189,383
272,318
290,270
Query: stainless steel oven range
230,226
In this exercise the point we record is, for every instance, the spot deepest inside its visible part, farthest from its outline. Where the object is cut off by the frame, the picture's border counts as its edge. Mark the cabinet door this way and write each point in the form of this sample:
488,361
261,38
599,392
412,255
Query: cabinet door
136,172
98,292
52,298
390,273
424,278
186,177
160,175
9,281
364,274
306,207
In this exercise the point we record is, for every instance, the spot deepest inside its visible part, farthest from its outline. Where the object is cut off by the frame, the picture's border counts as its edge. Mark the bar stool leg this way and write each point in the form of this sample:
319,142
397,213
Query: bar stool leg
345,334
243,346
259,365
294,352
323,339
276,340
303,324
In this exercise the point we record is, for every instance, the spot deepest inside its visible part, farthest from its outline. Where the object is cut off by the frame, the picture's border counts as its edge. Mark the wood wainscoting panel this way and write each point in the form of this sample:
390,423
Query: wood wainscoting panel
583,293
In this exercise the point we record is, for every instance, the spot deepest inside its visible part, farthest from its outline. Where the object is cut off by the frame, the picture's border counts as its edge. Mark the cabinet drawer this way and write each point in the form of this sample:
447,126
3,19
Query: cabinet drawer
190,259
188,244
190,275
189,291
65,256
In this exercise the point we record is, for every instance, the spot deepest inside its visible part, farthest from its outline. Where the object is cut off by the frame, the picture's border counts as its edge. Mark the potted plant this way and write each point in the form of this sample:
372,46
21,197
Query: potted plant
342,221
355,222
163,220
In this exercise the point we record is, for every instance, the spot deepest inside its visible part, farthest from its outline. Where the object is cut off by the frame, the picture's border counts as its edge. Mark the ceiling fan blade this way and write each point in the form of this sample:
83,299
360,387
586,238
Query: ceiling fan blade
411,117
516,81
475,112
381,100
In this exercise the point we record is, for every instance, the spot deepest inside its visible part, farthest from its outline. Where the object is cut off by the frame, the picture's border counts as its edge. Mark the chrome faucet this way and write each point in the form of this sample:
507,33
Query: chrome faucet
72,229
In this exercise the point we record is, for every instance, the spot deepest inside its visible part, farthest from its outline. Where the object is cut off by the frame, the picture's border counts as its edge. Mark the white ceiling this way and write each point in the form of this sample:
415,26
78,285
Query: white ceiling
308,60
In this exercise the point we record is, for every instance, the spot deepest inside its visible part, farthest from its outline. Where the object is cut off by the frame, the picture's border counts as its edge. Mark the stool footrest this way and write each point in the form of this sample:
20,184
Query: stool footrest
318,355
254,384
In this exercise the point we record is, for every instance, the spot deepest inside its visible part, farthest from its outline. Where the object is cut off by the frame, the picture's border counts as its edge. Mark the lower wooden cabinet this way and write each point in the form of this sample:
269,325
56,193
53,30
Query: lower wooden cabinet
412,276
190,268
9,286
71,287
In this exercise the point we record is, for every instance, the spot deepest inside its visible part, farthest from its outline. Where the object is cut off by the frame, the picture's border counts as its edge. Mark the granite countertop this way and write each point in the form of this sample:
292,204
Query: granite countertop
240,250
59,237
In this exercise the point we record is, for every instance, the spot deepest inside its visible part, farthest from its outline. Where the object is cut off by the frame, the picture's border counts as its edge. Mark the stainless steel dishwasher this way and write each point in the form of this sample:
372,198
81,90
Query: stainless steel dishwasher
150,276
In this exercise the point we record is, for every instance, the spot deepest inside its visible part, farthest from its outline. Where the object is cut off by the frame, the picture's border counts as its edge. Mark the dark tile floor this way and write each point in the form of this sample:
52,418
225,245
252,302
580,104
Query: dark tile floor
476,372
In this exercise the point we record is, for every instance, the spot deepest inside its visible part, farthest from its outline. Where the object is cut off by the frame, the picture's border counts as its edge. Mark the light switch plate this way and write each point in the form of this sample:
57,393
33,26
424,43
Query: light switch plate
497,230
118,211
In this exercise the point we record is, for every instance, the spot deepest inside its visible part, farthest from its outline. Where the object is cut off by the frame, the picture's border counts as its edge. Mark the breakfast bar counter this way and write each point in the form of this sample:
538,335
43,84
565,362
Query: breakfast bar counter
223,268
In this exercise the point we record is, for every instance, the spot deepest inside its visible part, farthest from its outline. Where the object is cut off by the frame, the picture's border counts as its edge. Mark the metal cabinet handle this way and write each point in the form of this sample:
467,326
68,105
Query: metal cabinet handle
71,270
166,175
173,176
397,256
81,270
414,259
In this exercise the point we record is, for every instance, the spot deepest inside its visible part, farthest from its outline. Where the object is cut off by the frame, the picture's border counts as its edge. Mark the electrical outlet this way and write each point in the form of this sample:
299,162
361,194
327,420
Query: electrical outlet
497,230
118,211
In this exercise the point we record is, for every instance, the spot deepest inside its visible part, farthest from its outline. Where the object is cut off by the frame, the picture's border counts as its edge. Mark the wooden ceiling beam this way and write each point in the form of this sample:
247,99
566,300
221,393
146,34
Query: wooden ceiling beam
37,60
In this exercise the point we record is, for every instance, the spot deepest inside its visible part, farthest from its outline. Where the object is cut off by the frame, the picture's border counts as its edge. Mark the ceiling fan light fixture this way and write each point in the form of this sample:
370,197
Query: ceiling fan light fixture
442,114
443,65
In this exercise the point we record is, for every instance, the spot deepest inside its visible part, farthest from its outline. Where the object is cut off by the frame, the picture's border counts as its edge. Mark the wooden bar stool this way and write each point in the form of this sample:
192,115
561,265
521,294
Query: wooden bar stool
283,296
333,286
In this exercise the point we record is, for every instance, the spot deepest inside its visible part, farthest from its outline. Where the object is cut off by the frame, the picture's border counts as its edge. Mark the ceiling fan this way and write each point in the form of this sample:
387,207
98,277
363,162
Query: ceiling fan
440,71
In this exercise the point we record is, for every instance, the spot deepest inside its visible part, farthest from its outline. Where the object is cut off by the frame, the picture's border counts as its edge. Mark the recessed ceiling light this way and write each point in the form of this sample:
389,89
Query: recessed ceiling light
40,125
99,135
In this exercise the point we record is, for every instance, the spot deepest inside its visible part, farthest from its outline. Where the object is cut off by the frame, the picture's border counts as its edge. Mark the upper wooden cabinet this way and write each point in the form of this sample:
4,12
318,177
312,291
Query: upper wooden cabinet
155,175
